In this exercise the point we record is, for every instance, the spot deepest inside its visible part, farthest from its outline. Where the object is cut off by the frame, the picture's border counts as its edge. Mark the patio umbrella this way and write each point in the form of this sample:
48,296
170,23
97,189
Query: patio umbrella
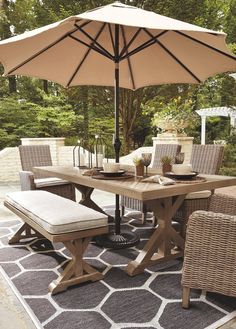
121,46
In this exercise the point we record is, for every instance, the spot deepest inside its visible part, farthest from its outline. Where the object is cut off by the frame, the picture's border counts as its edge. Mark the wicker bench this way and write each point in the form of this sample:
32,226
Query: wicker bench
59,220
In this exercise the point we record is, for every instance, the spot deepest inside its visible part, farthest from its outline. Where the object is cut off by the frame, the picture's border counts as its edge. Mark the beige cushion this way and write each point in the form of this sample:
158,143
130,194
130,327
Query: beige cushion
56,214
198,195
49,181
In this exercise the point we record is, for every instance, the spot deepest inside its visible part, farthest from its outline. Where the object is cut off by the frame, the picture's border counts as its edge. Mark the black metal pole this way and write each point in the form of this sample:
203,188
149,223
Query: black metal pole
117,143
117,239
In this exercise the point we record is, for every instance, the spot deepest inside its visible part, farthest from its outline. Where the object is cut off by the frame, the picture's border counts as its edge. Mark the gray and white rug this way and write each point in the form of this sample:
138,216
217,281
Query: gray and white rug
149,300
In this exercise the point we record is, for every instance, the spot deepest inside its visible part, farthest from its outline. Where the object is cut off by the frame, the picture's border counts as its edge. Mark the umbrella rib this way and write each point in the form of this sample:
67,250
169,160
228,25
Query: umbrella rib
85,56
146,44
93,40
84,24
138,49
130,42
111,36
128,59
206,45
175,58
41,51
91,47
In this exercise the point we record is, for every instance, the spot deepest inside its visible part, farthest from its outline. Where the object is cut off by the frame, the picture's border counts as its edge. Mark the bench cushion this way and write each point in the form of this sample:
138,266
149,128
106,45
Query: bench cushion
55,214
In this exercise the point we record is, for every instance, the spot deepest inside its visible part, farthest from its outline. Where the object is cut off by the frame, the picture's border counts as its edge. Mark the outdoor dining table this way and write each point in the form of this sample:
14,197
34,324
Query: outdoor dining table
165,243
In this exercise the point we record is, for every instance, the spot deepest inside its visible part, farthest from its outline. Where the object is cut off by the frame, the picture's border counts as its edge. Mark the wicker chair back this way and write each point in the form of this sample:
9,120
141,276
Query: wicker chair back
207,159
35,156
165,149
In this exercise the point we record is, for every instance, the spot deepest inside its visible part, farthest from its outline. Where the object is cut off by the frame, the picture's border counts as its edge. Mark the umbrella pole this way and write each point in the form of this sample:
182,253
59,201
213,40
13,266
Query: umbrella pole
117,240
117,143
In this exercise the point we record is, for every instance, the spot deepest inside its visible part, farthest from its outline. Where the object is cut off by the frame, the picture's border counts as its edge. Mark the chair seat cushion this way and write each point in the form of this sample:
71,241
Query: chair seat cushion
49,181
55,214
198,195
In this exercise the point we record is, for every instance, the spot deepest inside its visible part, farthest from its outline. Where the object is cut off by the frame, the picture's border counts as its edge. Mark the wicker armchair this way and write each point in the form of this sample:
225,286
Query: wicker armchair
38,156
205,159
160,150
210,249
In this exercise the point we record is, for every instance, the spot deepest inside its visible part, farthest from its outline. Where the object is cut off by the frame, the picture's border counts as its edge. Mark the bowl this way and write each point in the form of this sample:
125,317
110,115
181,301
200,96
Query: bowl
111,167
181,169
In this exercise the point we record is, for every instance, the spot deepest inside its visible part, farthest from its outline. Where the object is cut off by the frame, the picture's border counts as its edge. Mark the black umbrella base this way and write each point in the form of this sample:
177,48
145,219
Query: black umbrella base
118,241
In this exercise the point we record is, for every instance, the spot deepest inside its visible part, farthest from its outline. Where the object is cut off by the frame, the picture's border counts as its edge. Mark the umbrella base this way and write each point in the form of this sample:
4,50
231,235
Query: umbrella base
118,241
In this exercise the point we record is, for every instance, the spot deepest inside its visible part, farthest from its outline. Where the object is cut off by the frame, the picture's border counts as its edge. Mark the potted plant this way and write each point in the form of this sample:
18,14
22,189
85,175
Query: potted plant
172,116
139,166
166,162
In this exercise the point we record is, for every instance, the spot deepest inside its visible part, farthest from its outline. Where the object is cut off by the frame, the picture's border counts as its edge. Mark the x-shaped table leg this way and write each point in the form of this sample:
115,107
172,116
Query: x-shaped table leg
162,244
86,198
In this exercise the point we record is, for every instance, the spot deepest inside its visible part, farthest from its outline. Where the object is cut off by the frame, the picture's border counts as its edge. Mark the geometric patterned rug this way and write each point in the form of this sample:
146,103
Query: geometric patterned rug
149,300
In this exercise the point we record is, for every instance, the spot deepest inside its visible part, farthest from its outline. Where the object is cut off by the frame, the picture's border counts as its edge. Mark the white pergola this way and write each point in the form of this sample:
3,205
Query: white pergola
215,112
233,75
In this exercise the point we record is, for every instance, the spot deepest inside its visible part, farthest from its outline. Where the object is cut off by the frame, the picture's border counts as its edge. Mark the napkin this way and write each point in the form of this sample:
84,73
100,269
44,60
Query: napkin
160,180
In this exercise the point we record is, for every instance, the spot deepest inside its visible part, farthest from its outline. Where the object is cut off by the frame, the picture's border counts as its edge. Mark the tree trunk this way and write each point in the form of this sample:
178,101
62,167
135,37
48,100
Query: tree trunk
130,107
84,103
45,86
6,33
12,84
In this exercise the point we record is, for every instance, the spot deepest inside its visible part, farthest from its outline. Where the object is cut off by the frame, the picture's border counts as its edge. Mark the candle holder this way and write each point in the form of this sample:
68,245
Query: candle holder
99,152
81,156
90,155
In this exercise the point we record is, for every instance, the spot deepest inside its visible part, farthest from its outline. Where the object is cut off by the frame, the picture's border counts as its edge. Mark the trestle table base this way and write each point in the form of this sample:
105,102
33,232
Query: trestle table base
165,243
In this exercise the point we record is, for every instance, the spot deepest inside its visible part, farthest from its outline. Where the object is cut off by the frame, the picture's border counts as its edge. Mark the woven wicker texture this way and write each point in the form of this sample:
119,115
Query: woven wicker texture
210,249
35,156
66,190
223,204
38,156
205,159
160,150
165,149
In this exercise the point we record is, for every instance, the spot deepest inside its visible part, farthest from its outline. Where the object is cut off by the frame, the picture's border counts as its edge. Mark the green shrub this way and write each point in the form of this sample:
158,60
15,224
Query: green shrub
229,163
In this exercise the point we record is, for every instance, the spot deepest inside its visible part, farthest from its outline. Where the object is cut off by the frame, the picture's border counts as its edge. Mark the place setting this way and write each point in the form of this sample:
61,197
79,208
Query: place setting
183,173
180,173
111,170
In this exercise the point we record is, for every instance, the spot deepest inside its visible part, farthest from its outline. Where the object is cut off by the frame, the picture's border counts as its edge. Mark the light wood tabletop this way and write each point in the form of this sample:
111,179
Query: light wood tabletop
165,243
135,187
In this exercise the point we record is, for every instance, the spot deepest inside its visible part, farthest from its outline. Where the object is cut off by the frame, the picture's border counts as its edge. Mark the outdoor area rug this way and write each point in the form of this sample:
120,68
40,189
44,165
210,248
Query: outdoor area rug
149,300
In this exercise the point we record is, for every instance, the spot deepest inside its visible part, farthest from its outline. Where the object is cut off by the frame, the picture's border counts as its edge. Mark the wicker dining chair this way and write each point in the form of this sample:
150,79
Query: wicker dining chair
205,159
160,150
210,249
38,156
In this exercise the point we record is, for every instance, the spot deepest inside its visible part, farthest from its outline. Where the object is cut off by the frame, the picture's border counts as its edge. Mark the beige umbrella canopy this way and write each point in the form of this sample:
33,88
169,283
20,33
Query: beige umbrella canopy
153,49
118,45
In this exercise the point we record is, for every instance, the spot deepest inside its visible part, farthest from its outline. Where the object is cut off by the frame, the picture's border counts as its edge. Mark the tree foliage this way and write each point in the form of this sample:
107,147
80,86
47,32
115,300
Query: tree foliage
30,107
20,118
